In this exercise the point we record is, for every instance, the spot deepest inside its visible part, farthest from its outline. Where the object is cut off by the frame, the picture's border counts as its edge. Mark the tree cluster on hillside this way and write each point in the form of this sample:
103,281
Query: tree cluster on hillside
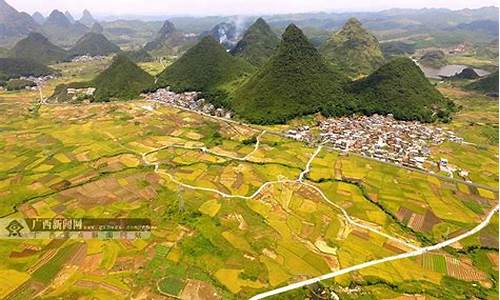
487,85
17,67
18,84
296,80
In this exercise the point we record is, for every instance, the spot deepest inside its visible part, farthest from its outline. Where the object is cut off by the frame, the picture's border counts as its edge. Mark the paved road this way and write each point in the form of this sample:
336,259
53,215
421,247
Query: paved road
379,261
417,251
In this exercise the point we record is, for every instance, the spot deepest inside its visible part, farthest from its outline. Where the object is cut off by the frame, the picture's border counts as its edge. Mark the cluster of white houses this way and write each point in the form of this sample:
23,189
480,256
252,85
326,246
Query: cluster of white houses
87,58
187,100
380,137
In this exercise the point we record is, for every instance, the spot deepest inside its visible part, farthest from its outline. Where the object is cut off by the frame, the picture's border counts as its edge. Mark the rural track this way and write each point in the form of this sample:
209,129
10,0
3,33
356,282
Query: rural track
367,264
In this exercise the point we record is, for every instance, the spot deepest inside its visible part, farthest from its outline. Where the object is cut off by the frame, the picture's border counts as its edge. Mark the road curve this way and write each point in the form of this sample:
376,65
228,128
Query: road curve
277,133
417,252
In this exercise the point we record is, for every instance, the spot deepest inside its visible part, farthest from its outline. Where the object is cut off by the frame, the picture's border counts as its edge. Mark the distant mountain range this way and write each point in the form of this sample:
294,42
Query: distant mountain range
38,17
87,19
69,17
487,26
386,25
60,28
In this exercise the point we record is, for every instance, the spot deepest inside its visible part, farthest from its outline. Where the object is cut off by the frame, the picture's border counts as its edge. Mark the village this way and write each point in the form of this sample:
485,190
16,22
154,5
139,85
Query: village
405,143
87,58
383,138
187,100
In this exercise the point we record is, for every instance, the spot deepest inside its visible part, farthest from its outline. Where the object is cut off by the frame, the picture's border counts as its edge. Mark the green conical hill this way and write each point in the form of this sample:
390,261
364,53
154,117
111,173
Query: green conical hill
93,44
295,81
400,88
258,43
122,80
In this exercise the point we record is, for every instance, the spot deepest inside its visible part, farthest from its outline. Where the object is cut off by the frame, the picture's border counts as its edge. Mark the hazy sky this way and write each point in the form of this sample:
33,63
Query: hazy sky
228,7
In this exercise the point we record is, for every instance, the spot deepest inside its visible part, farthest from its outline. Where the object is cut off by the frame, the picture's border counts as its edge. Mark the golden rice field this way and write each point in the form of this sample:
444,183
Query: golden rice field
120,160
